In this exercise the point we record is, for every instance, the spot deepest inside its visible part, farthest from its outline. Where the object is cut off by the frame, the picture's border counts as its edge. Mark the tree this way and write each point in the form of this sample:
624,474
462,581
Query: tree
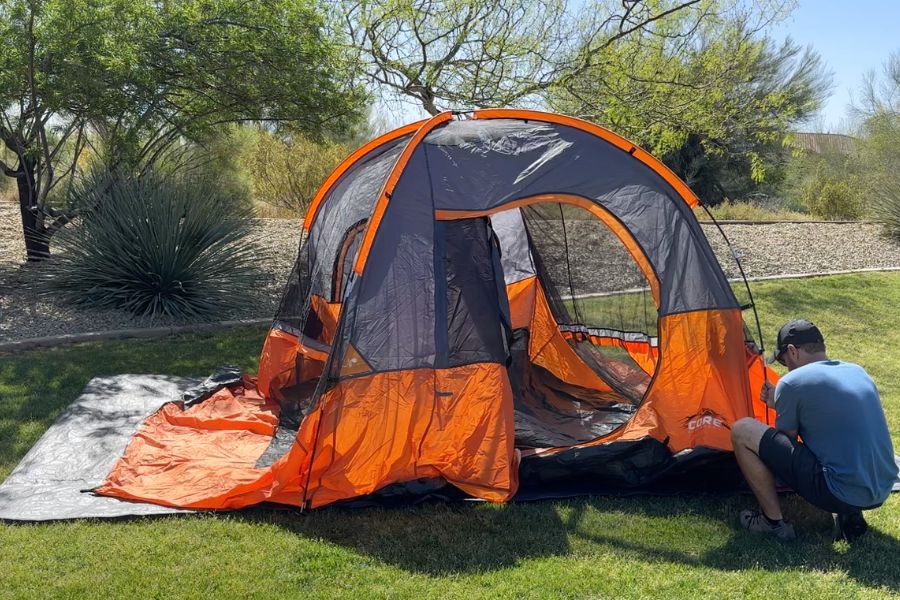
878,115
877,112
478,53
712,96
144,76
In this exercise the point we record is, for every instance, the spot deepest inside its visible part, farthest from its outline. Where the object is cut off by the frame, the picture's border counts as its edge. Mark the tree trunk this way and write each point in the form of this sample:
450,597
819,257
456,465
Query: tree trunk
37,242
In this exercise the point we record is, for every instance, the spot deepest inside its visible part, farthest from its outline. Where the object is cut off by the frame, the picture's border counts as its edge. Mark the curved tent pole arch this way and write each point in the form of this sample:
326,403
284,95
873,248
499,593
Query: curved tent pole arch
348,162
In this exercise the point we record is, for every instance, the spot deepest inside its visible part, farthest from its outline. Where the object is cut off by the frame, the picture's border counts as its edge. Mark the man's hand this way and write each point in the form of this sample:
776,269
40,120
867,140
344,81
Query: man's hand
767,394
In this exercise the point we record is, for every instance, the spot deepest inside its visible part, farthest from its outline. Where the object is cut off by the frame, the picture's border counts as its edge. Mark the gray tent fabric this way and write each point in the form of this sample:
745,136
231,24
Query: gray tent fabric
483,165
79,449
394,320
516,256
350,201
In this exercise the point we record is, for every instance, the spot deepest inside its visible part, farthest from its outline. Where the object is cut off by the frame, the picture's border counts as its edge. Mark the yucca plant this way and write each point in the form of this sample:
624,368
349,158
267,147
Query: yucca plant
158,246
886,205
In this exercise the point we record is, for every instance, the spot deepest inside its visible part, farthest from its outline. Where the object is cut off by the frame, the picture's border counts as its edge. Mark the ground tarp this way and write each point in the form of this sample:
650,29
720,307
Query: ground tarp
76,453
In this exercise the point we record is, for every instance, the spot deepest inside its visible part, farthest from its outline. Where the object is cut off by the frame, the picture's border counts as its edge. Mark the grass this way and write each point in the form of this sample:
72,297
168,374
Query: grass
751,211
594,547
35,387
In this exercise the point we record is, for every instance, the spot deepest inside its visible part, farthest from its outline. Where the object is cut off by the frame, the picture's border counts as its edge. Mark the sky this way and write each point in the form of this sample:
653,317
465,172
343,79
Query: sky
851,37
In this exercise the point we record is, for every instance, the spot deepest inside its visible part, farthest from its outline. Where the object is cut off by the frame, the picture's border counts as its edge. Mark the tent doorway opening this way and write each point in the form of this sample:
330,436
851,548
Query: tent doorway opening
577,311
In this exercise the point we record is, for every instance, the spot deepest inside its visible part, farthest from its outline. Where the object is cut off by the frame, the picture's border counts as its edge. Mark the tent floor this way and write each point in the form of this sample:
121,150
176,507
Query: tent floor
551,413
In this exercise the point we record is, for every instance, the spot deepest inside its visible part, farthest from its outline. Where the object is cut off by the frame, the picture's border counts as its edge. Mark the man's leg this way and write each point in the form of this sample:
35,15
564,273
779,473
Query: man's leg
745,436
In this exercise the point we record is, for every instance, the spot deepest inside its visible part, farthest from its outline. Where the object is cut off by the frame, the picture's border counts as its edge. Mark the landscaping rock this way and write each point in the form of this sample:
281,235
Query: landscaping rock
764,250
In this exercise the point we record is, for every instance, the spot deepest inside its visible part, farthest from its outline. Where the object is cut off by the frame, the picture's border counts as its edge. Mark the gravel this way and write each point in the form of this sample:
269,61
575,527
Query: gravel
764,250
23,314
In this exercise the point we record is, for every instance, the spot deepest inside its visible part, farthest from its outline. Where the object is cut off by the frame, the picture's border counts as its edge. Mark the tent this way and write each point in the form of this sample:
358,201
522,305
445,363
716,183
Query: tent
483,304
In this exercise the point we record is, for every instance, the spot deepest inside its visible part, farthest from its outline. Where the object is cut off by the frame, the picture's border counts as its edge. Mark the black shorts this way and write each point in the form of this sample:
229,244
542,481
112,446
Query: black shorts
795,465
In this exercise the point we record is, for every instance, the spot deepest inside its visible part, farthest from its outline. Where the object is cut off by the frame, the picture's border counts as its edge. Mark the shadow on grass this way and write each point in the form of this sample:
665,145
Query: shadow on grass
871,561
435,538
697,531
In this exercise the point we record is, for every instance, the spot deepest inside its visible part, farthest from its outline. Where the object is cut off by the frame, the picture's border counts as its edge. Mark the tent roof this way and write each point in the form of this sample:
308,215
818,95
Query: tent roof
420,129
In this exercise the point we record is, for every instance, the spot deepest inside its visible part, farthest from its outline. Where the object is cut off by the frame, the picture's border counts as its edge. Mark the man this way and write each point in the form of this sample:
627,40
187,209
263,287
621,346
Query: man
845,463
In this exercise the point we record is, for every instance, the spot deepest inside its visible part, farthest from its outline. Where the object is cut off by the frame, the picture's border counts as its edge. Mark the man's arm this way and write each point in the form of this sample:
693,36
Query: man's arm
767,395
783,398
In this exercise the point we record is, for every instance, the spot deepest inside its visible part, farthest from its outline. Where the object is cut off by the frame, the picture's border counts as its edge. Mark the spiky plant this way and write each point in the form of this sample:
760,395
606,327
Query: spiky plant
156,246
886,205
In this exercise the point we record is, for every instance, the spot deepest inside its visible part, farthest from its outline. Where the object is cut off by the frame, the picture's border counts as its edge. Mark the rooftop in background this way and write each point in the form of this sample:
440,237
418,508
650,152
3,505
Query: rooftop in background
817,143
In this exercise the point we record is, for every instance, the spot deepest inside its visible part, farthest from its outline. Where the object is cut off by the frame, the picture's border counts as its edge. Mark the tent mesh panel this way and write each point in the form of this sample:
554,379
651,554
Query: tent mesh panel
597,293
295,298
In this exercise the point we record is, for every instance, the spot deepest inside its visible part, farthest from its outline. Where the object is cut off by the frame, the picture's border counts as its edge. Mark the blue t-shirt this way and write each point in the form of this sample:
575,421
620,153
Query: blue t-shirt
835,407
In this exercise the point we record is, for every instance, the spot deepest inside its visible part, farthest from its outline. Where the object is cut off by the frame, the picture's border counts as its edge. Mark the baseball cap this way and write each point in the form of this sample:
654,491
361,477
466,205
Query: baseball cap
796,332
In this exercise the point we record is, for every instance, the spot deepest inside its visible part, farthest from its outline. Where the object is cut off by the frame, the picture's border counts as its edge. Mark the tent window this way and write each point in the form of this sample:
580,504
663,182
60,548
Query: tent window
599,296
343,262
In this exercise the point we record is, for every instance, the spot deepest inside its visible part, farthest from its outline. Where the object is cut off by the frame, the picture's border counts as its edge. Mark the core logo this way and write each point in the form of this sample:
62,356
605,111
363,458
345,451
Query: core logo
705,418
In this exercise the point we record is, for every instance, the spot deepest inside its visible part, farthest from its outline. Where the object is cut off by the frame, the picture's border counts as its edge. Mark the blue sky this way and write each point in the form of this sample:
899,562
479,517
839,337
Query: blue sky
852,37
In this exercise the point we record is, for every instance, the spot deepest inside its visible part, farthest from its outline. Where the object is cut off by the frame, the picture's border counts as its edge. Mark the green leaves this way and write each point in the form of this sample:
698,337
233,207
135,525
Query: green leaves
709,94
158,246
137,77
879,114
287,172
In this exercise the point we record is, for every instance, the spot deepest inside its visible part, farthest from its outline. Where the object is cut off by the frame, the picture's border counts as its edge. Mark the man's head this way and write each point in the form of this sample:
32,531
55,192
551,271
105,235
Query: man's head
799,343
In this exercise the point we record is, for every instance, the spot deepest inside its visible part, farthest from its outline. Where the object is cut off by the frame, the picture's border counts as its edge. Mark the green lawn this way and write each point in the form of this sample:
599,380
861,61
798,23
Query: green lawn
591,547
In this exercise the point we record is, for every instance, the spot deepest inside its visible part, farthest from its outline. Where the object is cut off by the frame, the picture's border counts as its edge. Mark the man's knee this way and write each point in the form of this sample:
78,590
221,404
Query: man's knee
747,433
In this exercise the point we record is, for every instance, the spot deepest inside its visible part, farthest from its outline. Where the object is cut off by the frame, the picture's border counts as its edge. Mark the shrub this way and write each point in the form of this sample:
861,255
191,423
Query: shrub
835,200
155,246
887,206
287,171
828,185
221,160
831,198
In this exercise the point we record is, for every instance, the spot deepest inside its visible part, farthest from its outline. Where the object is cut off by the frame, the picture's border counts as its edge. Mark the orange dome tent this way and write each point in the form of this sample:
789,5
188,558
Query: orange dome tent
478,299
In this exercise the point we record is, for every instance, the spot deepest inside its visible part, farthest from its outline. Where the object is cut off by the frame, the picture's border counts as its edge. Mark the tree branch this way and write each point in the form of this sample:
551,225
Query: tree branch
7,170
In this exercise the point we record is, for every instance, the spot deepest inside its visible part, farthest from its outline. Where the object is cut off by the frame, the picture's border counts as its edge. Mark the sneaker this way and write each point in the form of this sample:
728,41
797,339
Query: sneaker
756,521
849,526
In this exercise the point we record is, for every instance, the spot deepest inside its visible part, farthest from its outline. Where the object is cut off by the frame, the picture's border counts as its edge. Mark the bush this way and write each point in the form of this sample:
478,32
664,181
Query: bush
828,185
831,198
287,171
880,143
156,246
834,200
222,161
887,206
